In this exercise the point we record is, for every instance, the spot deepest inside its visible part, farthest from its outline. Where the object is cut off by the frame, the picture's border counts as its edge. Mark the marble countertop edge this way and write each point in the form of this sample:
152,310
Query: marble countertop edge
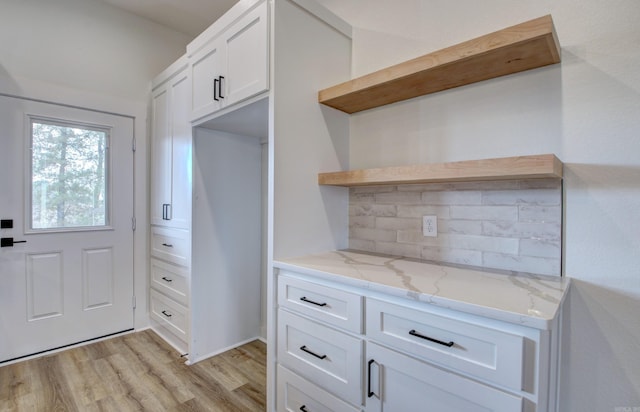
544,294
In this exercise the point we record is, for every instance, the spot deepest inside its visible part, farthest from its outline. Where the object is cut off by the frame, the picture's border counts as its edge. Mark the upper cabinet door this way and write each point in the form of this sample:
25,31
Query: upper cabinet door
207,71
247,58
170,180
233,66
160,189
179,214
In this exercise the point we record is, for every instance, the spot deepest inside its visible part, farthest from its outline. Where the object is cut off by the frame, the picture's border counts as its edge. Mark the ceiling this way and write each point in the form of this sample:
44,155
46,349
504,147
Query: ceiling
187,16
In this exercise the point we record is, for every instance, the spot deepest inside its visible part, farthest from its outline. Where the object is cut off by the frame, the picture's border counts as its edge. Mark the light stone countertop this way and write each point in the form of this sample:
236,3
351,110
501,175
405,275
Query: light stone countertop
523,299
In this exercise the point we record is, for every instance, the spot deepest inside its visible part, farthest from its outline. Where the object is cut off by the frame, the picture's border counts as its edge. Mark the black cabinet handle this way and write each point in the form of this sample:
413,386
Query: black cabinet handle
221,78
166,279
303,408
304,349
304,299
413,332
166,211
369,391
167,314
167,245
217,88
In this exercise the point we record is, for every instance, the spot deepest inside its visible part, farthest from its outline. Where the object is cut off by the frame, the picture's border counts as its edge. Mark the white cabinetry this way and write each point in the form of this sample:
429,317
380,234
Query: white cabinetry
232,65
365,350
170,205
398,382
170,191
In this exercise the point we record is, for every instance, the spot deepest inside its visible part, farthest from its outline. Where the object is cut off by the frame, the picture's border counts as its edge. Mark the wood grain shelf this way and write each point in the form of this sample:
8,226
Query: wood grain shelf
545,166
521,47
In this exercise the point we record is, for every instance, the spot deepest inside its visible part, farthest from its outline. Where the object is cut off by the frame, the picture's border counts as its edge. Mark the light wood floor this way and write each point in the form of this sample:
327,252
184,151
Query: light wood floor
136,372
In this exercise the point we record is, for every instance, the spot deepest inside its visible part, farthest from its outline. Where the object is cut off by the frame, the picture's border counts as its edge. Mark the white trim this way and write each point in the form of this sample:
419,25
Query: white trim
72,346
219,351
326,16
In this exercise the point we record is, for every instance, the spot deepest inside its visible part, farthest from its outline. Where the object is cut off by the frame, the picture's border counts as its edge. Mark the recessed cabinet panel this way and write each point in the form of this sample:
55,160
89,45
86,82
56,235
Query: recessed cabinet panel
160,189
170,279
171,245
170,189
297,394
179,214
401,383
170,314
247,61
233,66
334,306
205,68
487,353
331,359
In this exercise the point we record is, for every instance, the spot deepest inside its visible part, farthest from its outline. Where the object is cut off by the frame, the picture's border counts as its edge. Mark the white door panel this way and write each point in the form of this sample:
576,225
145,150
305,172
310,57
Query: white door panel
63,286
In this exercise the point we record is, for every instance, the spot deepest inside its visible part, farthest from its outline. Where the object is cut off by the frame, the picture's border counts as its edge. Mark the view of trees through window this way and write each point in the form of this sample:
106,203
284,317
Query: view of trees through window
68,175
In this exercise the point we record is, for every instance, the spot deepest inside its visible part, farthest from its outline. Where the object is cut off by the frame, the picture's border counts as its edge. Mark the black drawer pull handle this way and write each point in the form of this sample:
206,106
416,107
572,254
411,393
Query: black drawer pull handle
370,393
166,279
220,87
167,244
304,299
304,349
303,408
413,332
167,314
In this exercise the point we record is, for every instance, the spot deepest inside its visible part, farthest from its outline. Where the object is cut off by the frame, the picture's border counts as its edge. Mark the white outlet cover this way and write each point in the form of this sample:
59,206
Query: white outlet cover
430,226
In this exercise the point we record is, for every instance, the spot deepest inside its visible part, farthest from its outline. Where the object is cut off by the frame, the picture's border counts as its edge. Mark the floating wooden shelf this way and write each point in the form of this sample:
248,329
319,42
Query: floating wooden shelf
522,47
507,168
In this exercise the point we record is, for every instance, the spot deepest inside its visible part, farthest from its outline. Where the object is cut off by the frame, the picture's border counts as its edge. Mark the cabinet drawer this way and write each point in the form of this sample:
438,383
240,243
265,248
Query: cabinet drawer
297,394
333,306
325,356
171,280
171,245
170,314
476,350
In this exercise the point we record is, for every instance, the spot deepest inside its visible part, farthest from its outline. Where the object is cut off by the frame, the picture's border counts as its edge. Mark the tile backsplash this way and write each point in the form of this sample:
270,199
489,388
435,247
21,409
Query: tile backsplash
511,225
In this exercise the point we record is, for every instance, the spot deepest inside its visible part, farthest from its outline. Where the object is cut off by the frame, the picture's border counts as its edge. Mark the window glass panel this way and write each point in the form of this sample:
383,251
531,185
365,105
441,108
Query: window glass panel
69,175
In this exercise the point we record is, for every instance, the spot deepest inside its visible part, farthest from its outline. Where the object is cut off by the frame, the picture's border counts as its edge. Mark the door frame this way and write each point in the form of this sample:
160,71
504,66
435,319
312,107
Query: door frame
137,110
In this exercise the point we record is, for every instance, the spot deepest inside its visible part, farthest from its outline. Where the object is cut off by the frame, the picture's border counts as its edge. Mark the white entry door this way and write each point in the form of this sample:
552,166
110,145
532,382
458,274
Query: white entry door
66,188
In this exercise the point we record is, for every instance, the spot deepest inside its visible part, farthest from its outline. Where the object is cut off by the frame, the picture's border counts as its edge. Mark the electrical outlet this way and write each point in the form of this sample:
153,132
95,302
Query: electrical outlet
430,226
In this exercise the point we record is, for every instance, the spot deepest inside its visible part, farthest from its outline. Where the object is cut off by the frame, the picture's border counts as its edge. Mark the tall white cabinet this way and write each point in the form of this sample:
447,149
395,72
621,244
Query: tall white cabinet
170,189
256,134
170,205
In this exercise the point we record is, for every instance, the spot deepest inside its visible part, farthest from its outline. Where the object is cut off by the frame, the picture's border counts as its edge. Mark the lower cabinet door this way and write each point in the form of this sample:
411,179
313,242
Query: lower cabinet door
296,394
396,382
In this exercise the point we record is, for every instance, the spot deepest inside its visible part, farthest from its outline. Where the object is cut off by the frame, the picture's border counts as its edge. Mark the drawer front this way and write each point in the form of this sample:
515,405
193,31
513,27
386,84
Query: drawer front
171,245
480,351
333,306
325,356
298,394
171,280
170,314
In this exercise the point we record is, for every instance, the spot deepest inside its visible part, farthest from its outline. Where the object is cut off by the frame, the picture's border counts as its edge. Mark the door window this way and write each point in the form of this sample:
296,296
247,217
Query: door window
69,176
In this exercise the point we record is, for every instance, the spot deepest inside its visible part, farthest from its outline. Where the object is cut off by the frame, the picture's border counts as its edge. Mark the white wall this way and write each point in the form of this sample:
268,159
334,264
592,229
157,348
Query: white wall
89,54
86,45
585,110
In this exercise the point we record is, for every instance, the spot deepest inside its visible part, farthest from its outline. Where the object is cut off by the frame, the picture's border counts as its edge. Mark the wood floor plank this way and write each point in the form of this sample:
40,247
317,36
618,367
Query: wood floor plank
136,372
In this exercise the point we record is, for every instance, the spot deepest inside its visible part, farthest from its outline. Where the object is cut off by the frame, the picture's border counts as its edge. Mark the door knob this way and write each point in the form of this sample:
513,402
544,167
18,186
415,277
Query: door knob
8,241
